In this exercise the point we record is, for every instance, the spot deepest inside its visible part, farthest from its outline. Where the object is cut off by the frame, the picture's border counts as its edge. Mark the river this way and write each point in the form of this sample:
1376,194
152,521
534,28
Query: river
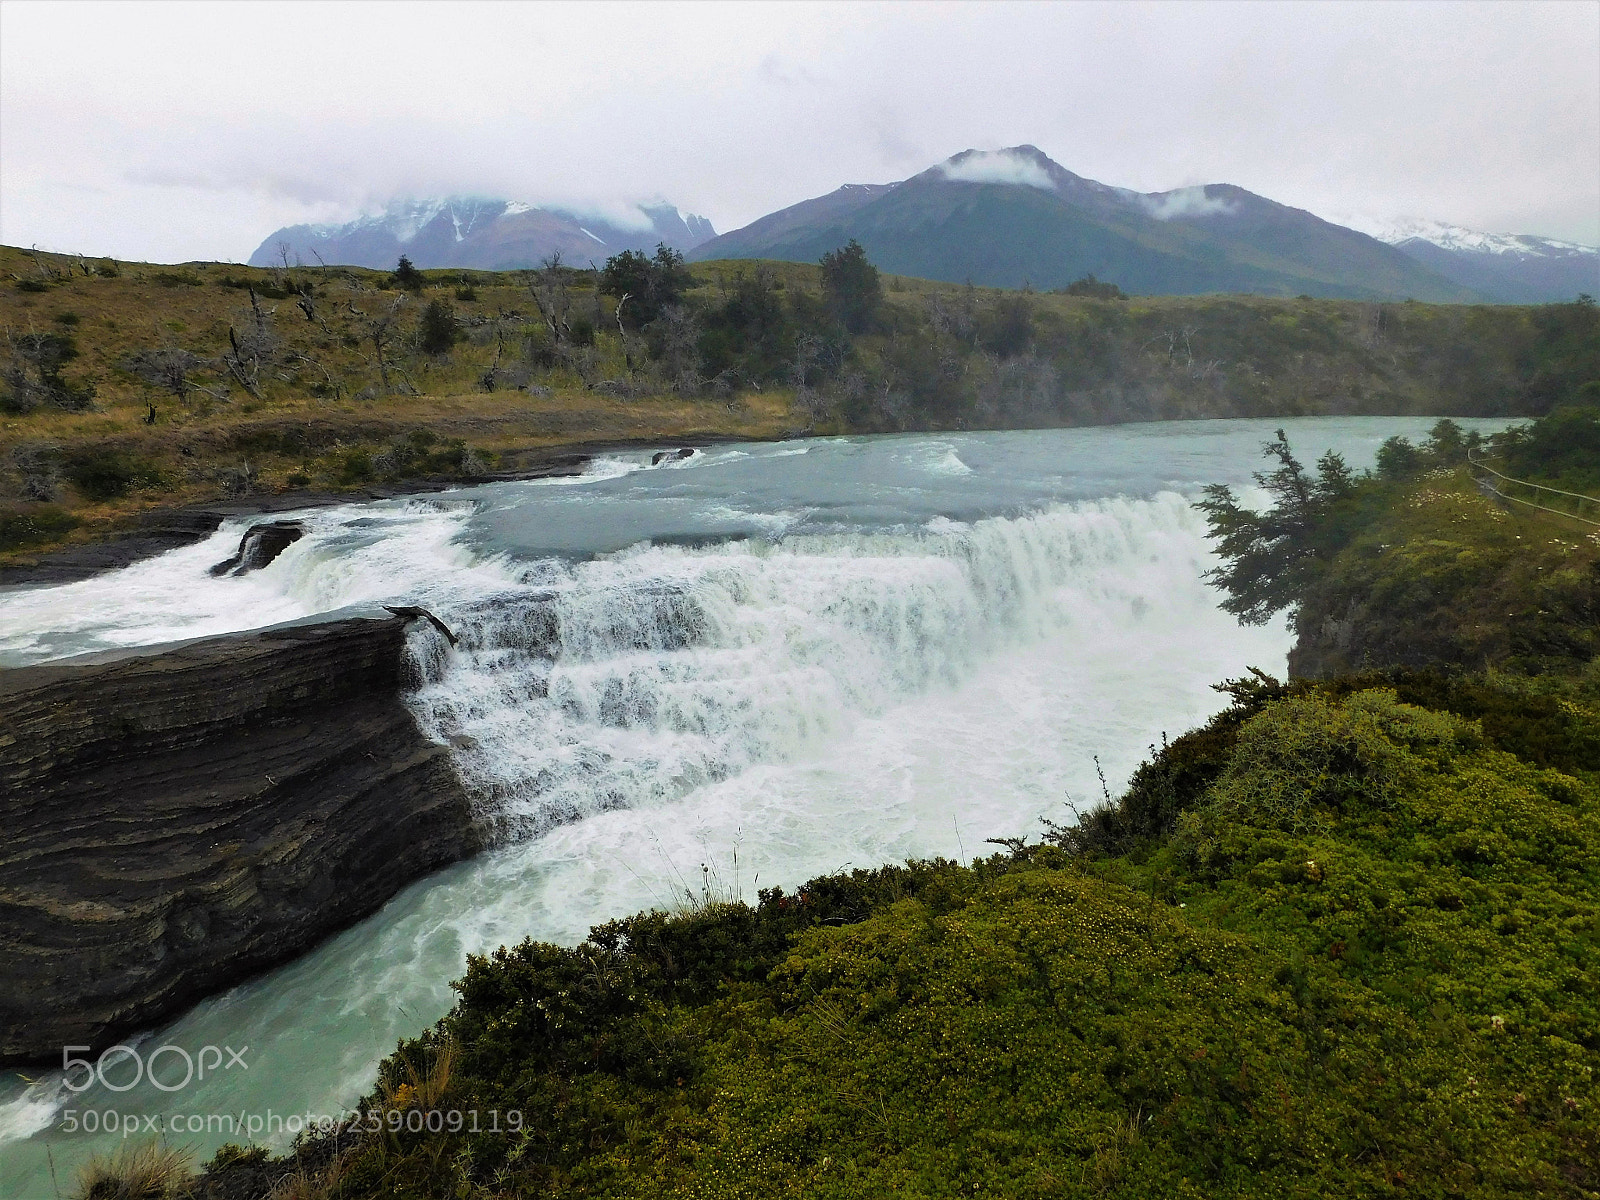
739,669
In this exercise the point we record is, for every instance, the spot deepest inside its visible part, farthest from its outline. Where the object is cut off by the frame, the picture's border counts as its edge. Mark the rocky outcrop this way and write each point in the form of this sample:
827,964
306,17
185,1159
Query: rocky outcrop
172,822
260,545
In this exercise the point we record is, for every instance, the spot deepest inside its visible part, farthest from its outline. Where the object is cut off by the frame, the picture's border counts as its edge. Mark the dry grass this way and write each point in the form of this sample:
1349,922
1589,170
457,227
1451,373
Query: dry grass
136,1171
426,1083
299,430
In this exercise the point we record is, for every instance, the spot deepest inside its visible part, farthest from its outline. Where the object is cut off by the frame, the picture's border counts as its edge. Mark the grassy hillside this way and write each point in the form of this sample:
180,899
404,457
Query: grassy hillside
126,386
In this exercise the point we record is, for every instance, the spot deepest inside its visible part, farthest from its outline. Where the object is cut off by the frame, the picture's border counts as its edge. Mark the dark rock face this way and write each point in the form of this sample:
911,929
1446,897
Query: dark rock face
174,822
260,545
661,456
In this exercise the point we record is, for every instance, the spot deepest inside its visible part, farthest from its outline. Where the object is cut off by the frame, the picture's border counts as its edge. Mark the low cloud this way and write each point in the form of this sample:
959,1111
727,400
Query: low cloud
1186,202
619,215
998,166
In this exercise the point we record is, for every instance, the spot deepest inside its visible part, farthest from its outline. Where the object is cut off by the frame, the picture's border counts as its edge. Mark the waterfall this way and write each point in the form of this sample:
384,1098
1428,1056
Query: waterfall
638,677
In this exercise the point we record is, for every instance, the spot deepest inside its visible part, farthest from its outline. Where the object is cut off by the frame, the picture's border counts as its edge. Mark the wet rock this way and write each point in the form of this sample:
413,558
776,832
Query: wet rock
171,823
412,612
260,545
661,456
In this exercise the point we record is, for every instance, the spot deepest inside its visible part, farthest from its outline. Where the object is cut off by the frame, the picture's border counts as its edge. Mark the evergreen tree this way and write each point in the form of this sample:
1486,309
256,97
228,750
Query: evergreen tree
1270,558
439,331
650,283
851,287
407,276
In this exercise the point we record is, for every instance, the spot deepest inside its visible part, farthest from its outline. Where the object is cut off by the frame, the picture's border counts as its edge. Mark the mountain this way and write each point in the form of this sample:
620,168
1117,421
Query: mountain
468,231
1513,268
1012,217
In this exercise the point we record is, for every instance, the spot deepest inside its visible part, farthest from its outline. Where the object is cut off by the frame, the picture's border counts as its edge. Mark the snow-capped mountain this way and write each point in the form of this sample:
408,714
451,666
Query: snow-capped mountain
1396,230
490,234
1516,268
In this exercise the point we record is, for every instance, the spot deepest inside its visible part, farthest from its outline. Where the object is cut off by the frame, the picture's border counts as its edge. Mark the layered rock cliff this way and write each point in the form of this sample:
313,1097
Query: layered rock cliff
172,822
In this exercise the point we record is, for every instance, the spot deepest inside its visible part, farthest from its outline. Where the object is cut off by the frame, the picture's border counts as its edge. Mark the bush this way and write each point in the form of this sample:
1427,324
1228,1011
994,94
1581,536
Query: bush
101,474
437,331
1307,757
1401,995
1563,446
34,526
650,283
1098,290
355,466
851,286
407,276
32,374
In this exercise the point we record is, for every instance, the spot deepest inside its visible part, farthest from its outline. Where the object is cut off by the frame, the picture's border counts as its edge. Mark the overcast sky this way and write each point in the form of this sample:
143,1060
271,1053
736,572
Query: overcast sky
192,130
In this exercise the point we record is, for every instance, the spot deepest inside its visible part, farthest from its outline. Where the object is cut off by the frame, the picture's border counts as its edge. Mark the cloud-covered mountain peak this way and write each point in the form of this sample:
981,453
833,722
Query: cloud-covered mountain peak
485,232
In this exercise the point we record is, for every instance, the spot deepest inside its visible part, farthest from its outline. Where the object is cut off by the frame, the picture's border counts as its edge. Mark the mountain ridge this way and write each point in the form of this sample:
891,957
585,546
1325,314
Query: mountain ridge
480,232
1210,237
1016,217
1007,218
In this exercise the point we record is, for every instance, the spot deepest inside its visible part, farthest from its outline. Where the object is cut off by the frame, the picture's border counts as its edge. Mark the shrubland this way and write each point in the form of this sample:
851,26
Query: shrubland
125,386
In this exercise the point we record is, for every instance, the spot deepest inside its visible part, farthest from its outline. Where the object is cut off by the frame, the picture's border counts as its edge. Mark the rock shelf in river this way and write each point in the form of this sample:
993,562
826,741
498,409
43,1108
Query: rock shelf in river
172,822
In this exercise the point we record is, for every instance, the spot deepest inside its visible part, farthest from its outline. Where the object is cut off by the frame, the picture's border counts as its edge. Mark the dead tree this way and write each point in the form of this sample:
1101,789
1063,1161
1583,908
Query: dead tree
327,375
256,347
380,329
552,297
168,368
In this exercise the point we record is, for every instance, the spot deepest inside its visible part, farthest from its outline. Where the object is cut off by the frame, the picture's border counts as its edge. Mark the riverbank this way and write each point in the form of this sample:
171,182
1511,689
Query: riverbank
130,387
122,539
306,460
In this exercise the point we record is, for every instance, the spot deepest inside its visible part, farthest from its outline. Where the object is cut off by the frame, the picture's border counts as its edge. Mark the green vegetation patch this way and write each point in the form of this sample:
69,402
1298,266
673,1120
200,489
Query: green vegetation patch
1420,564
38,525
1365,964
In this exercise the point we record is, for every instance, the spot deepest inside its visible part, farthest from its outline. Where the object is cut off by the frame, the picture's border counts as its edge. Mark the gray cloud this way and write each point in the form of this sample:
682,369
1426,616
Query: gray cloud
175,131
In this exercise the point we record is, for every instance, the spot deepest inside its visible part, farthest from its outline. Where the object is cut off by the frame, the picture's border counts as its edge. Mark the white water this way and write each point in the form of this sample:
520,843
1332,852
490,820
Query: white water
853,681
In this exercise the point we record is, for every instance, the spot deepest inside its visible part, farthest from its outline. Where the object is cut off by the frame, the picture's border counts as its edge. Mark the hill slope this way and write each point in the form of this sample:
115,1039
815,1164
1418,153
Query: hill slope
1016,217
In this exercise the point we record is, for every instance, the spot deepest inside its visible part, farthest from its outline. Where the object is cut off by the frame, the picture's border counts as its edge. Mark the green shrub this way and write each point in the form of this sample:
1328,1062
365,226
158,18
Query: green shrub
437,330
1307,757
355,466
109,474
33,526
1394,999
407,276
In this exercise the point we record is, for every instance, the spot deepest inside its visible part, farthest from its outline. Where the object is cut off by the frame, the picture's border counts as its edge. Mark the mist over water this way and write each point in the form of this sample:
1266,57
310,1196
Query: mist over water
775,660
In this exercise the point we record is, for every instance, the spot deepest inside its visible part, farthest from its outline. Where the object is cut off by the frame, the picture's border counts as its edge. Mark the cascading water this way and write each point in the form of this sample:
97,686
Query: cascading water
640,677
810,655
